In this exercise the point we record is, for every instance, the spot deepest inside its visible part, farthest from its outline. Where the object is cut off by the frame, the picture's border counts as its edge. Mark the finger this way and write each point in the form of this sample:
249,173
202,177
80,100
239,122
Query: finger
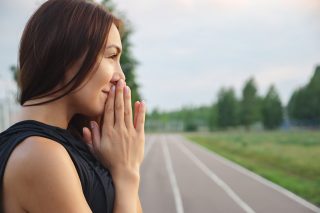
141,117
98,118
136,111
108,118
127,108
95,135
87,138
119,104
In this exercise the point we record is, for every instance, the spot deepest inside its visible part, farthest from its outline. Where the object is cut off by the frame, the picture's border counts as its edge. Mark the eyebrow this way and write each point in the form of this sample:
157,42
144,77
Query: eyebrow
119,50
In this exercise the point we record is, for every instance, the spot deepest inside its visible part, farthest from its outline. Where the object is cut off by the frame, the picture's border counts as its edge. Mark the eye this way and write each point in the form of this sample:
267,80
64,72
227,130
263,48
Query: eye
113,56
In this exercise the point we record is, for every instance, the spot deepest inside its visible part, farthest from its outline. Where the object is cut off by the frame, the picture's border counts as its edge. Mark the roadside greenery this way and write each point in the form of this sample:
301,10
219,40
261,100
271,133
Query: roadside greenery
290,159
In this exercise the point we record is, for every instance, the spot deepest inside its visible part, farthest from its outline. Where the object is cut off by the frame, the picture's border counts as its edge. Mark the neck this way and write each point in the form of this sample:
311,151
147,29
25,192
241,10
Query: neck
55,113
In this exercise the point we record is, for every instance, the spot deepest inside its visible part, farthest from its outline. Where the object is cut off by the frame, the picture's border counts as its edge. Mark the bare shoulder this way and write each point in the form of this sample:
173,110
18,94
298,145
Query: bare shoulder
41,177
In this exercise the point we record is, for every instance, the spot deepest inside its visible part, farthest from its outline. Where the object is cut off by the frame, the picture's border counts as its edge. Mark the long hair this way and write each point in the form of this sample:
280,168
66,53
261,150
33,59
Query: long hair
56,36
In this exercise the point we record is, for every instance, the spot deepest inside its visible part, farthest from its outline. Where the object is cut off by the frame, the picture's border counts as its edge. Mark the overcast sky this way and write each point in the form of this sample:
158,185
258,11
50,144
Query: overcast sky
189,49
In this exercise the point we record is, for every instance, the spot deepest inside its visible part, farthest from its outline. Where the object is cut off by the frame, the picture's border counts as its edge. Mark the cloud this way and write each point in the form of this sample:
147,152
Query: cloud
189,49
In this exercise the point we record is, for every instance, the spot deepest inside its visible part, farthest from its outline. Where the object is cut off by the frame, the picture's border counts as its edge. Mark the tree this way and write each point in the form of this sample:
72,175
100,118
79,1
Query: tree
298,106
304,104
250,104
272,111
314,93
14,72
227,107
213,117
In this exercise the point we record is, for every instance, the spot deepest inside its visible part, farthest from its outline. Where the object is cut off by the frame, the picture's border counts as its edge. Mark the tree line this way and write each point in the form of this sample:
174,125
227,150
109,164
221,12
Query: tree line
248,111
304,105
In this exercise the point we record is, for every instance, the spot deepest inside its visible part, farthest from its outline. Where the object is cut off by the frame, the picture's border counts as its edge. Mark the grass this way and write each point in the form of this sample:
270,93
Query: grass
290,159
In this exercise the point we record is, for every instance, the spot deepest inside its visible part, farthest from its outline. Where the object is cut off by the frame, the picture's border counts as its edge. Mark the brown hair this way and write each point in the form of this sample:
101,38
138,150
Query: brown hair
58,34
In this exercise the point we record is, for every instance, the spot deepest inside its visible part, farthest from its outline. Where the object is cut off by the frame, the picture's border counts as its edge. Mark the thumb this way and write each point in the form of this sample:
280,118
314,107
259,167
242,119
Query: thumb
95,136
88,139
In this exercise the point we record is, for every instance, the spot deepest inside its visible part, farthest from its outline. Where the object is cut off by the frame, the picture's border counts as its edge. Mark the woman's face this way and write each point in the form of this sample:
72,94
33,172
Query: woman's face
90,99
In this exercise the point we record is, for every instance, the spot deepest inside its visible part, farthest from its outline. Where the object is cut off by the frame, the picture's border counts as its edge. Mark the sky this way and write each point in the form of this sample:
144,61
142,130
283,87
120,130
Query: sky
189,49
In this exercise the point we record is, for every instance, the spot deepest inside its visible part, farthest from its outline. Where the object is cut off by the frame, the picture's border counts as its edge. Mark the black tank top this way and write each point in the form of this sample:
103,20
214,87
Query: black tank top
96,180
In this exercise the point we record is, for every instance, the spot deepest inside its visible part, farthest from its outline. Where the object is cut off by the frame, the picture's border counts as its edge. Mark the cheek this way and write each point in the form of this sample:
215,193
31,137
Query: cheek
90,100
105,71
94,96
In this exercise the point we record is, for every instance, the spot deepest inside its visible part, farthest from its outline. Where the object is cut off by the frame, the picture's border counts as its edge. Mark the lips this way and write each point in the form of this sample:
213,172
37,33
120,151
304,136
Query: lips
105,90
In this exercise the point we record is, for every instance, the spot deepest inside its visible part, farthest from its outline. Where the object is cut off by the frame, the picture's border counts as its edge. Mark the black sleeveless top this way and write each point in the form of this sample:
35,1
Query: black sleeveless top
96,180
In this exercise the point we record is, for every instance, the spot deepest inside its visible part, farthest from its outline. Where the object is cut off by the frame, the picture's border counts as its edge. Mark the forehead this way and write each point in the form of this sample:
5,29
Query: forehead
114,37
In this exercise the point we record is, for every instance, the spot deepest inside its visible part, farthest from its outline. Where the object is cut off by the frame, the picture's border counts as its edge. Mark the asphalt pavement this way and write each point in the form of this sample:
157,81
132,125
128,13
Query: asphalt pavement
178,176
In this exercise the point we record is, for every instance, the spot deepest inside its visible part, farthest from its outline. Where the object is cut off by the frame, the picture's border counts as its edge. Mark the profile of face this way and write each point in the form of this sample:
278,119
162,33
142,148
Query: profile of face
90,99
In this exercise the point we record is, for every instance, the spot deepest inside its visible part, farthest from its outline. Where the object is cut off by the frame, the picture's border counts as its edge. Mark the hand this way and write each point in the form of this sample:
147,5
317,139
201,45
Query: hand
120,145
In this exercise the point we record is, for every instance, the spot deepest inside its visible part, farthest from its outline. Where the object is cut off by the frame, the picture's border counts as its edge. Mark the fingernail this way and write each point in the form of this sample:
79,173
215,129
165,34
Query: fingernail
143,103
91,124
120,83
127,90
113,88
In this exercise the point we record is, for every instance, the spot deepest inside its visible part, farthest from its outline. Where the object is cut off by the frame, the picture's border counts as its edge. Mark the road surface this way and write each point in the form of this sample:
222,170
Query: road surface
178,176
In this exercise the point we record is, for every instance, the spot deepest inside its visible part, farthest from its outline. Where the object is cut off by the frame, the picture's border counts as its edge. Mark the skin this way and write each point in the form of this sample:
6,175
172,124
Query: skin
40,175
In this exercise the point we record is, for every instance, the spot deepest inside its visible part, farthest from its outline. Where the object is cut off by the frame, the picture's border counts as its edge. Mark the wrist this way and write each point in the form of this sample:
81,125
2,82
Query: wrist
126,183
126,176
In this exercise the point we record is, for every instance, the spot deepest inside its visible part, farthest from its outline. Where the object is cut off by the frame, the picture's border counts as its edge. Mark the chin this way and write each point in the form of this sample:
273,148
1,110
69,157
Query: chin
91,107
93,110
97,111
100,108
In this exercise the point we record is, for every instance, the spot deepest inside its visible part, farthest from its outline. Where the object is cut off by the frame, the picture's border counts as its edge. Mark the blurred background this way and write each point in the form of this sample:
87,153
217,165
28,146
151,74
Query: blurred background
239,77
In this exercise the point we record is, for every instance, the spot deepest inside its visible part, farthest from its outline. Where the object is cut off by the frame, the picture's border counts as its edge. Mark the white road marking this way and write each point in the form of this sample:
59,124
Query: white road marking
173,181
216,179
260,179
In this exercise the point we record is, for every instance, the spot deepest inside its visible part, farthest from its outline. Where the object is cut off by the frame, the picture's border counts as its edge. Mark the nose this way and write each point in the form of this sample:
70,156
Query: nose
119,74
122,76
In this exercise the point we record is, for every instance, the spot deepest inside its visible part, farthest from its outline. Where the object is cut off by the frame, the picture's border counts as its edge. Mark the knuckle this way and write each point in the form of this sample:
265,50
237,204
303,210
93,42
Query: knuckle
127,112
141,110
111,96
109,108
120,125
112,93
131,131
119,90
109,132
119,106
128,95
123,130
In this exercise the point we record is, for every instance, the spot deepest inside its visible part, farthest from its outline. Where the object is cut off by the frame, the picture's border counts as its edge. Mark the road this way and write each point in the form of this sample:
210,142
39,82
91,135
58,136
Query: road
178,176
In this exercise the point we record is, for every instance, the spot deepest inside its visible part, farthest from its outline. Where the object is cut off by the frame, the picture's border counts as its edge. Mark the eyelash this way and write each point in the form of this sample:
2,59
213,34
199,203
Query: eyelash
113,56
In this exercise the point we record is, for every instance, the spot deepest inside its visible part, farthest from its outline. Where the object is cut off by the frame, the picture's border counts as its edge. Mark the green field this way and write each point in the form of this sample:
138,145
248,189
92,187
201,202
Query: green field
290,159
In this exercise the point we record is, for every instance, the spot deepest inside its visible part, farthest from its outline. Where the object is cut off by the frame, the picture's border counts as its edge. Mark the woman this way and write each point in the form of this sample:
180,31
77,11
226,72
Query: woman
75,146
